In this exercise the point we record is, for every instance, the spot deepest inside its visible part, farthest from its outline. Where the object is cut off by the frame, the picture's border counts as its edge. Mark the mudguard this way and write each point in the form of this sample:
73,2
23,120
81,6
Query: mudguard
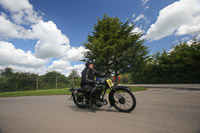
112,92
73,89
124,87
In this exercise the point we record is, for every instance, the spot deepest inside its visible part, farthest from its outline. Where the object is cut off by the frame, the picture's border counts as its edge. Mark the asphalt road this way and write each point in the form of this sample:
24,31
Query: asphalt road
174,86
157,111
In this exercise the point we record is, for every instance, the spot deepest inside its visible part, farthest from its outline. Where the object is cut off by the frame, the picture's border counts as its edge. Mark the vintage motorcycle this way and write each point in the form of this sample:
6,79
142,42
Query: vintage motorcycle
120,97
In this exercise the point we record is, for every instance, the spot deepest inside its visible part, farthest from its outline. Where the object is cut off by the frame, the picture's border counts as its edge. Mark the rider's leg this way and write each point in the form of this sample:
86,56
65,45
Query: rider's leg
88,90
91,92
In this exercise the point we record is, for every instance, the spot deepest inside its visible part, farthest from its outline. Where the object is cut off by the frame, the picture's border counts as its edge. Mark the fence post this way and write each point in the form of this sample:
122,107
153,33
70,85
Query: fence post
37,84
56,82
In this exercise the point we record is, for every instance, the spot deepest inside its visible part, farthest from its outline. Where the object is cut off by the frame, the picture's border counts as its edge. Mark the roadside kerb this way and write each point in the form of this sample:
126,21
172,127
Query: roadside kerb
195,87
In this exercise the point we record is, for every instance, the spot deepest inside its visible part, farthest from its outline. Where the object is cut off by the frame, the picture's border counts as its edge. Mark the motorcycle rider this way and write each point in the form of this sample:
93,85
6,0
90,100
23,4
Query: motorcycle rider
88,75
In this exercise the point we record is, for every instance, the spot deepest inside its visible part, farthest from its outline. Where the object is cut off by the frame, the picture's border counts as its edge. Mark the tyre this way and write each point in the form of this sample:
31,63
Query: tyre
79,99
123,100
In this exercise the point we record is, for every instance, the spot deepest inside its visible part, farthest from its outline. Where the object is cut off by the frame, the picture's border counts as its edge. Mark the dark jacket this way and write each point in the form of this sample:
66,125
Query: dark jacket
88,76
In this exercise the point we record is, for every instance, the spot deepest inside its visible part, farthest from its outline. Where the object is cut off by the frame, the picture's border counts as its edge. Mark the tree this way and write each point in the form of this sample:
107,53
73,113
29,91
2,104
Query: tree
180,65
74,78
114,46
6,72
48,80
74,73
17,81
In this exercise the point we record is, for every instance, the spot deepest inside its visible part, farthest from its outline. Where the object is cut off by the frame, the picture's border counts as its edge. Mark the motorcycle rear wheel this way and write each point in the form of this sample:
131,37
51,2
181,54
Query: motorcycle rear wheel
79,99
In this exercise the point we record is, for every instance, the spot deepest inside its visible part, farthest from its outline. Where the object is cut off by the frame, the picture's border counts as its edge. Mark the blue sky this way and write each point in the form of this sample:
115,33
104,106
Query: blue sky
40,35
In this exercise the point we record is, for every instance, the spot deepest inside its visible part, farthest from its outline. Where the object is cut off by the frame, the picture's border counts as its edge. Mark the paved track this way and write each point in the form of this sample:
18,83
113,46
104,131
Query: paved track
157,111
175,86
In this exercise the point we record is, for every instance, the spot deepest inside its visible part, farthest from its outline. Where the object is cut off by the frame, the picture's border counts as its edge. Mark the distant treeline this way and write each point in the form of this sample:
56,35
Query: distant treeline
179,65
18,81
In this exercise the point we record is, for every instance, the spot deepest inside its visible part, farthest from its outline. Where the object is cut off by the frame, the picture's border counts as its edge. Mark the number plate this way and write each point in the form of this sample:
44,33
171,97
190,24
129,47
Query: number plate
110,83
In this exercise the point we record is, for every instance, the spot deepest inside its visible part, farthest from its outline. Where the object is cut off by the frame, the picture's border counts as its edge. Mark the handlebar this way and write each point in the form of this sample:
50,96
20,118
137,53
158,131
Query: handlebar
102,81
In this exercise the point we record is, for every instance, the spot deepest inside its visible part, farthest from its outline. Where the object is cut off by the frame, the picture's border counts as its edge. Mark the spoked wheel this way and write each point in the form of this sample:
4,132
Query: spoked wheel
79,99
123,100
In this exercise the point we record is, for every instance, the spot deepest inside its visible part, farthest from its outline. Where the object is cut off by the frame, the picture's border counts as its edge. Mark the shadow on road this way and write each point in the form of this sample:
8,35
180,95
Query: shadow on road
190,89
1,131
93,109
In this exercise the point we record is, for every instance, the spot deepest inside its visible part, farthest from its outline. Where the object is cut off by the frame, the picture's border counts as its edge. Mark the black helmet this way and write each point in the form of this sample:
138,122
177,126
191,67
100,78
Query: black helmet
89,61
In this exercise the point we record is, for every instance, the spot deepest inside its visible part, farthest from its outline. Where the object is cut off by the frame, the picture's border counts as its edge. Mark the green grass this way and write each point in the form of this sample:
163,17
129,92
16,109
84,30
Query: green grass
64,91
137,88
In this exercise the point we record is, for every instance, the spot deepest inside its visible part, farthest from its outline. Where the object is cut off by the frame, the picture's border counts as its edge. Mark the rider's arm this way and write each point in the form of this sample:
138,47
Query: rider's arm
99,74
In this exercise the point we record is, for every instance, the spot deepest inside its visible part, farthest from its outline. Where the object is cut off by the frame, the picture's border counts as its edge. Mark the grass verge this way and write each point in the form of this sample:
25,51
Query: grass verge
137,88
64,91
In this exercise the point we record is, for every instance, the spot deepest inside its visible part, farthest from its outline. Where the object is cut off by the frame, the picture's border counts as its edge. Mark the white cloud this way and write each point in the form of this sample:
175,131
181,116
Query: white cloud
133,15
14,6
142,19
52,43
137,30
144,2
20,60
65,67
75,54
9,55
21,11
179,18
198,36
79,67
146,8
189,42
191,28
59,65
11,30
141,16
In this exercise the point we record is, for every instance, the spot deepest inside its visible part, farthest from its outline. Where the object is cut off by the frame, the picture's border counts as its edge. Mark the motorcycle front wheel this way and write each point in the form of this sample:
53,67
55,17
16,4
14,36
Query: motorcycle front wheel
123,100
